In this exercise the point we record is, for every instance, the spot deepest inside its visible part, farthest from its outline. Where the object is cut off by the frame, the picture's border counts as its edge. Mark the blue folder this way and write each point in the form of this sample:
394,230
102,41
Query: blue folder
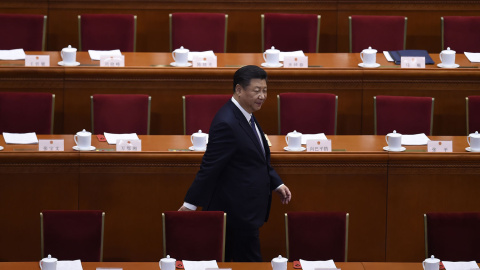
397,55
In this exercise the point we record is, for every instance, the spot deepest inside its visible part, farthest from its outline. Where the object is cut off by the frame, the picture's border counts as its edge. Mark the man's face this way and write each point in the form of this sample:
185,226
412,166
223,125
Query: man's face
252,97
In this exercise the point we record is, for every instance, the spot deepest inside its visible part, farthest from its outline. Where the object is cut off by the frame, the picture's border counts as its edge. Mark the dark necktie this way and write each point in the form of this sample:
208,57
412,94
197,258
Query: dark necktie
252,124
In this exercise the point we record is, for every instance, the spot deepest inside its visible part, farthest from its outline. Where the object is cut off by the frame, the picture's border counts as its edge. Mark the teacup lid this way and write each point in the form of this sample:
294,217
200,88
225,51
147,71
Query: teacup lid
168,259
448,51
432,260
272,50
181,50
279,259
49,259
69,49
294,134
199,134
475,135
84,133
394,134
369,50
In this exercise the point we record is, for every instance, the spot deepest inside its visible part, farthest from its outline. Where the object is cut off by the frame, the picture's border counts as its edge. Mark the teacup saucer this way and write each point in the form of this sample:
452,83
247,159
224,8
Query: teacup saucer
91,148
469,149
199,150
61,63
1,148
441,65
174,64
286,148
268,65
386,148
369,66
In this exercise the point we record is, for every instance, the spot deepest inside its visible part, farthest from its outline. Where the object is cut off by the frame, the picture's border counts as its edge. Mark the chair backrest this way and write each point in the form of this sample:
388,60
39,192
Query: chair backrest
23,31
473,114
307,113
199,31
194,235
452,236
317,236
199,110
406,115
107,32
72,234
383,33
460,33
26,112
114,113
291,32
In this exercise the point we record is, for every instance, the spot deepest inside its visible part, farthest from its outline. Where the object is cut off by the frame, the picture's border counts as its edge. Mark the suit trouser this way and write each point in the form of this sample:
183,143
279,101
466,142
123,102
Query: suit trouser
242,245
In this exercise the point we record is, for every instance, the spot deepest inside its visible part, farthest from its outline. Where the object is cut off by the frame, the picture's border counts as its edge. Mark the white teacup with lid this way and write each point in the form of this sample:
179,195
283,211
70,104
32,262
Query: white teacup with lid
48,263
474,141
180,56
279,263
83,139
199,141
167,263
394,141
447,57
294,140
369,57
272,57
431,263
69,56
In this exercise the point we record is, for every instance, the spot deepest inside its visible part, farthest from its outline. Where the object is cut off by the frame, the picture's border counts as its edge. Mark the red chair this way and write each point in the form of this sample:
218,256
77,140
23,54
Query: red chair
317,236
406,115
199,31
383,33
460,33
27,112
452,236
23,31
107,32
199,110
120,113
194,235
291,32
72,235
297,111
473,114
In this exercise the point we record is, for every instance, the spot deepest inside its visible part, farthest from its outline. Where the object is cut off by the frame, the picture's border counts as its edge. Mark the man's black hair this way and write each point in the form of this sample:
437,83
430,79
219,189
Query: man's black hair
244,75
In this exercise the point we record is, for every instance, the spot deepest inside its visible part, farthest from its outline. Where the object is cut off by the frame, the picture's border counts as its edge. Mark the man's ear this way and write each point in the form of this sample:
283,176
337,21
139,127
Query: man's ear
238,89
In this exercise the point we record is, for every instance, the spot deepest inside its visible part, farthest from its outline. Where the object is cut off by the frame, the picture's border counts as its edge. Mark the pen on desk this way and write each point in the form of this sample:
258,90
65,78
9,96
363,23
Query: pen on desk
467,67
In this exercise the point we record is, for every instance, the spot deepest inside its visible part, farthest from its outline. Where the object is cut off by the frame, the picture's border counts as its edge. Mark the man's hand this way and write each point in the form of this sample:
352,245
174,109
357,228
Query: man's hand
183,208
284,194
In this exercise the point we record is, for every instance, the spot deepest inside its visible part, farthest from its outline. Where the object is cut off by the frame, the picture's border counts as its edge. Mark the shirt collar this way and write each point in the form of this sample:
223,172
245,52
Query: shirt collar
247,115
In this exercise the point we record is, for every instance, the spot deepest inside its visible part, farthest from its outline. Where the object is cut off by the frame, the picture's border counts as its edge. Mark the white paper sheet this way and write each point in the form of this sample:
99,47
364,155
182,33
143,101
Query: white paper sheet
20,138
473,57
460,265
205,53
69,265
112,137
295,53
15,54
95,55
319,136
388,56
311,265
416,139
199,265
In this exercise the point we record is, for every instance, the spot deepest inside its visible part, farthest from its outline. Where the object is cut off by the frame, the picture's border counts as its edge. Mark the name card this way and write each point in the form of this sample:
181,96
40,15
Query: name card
319,145
439,146
51,145
295,62
204,61
129,145
412,62
37,60
112,60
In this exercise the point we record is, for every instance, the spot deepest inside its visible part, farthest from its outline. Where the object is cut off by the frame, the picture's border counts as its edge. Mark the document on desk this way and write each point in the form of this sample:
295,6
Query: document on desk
15,54
460,265
416,139
95,55
473,57
294,53
69,265
205,53
20,138
319,136
311,265
112,137
199,265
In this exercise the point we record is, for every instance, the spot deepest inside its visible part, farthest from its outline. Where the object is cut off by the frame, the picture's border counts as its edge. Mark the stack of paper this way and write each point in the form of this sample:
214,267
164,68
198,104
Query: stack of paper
205,53
69,265
311,265
473,57
460,265
416,139
95,55
319,136
20,138
295,53
199,265
16,54
112,138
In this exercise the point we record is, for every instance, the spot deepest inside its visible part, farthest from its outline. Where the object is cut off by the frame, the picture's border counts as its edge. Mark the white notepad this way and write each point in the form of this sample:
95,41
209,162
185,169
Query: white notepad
311,265
112,137
20,138
95,55
15,54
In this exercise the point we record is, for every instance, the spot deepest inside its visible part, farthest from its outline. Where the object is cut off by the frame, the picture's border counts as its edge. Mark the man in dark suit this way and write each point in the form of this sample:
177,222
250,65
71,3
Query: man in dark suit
235,175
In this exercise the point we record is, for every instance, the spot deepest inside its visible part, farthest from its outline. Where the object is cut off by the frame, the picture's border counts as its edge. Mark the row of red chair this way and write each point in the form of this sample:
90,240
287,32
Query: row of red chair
208,31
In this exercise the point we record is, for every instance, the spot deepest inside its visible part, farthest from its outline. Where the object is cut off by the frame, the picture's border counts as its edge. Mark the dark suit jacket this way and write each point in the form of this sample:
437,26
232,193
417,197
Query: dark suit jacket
235,176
